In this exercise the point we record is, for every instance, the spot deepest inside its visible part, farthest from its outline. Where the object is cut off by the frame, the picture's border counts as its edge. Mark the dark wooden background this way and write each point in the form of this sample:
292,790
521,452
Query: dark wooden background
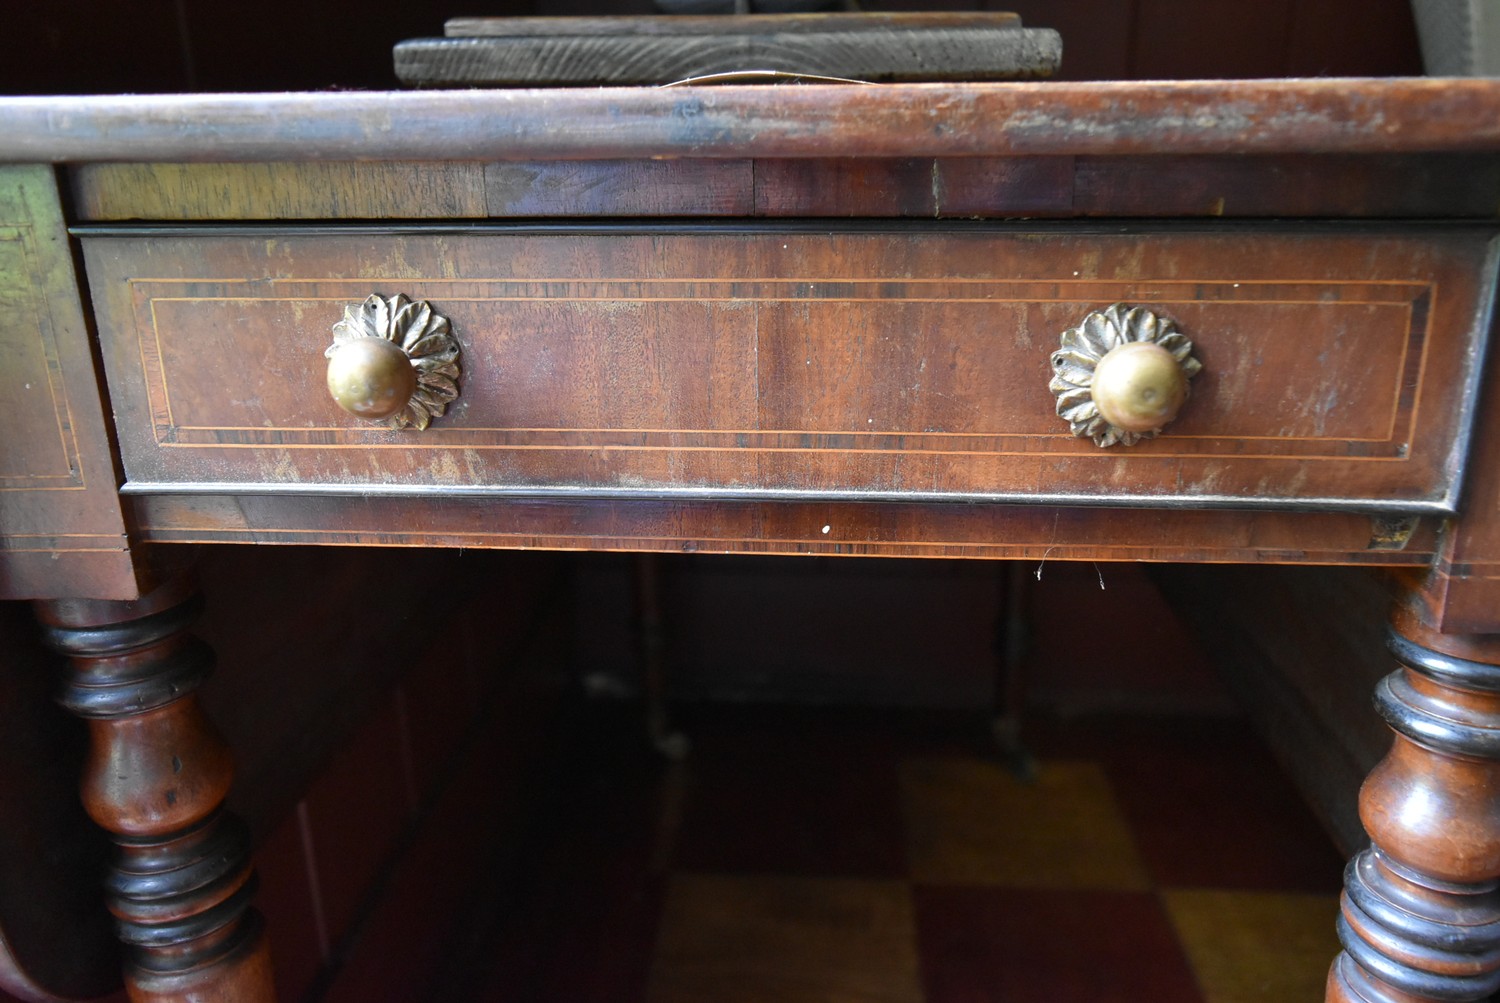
82,46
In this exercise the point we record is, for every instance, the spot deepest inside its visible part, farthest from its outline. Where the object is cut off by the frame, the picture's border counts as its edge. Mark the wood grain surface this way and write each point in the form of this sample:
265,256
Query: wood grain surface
1461,592
1420,912
1366,186
61,528
180,883
896,120
651,49
787,364
844,529
689,25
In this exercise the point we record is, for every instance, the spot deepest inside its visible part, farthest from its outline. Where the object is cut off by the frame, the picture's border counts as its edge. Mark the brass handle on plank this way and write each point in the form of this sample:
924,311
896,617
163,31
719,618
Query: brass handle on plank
1122,374
393,361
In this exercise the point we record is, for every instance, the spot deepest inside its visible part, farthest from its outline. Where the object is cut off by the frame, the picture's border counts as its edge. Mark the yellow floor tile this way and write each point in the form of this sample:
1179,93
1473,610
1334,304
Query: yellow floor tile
791,940
973,822
1250,947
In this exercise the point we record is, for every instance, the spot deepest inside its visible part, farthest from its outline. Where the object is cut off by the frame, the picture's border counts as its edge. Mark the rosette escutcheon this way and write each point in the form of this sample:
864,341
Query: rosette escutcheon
393,361
1122,374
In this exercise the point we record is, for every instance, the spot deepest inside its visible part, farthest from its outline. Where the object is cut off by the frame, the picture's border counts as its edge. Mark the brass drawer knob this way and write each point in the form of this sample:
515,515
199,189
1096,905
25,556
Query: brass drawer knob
394,361
1122,374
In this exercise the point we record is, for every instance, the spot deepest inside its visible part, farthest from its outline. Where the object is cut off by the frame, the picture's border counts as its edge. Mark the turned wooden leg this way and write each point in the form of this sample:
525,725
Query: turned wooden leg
1421,910
155,778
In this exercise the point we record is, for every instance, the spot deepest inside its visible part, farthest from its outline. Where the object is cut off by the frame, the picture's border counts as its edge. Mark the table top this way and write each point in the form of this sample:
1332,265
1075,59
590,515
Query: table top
579,202
799,120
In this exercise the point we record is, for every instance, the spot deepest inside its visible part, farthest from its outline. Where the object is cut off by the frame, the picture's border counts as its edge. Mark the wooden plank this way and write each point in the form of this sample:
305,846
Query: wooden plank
1364,186
278,191
832,529
621,188
690,25
898,120
927,188
1329,185
656,50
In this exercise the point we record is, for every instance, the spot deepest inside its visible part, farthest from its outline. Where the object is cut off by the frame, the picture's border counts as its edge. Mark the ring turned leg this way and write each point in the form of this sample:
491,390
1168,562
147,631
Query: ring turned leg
1421,911
156,777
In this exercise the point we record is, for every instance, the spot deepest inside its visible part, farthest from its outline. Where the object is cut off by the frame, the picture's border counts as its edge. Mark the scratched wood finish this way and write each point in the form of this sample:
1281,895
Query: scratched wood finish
1371,186
733,122
851,529
650,49
905,365
1460,592
278,191
61,528
718,24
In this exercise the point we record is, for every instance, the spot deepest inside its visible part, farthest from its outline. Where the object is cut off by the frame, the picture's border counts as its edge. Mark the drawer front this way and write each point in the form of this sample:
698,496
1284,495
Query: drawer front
913,364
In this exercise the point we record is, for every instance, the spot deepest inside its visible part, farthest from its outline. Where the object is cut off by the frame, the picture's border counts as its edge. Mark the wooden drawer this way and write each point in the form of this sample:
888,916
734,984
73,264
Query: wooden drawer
753,362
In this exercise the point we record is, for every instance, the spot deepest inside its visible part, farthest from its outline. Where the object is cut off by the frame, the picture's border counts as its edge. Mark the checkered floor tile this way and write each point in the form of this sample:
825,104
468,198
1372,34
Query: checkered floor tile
806,857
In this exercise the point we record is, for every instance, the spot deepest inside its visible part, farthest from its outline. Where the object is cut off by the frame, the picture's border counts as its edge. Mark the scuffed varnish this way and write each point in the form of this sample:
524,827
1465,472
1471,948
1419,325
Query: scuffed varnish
444,469
280,468
457,467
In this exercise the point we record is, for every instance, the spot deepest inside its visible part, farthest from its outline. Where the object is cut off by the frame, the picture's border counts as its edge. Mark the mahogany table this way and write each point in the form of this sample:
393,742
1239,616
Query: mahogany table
914,320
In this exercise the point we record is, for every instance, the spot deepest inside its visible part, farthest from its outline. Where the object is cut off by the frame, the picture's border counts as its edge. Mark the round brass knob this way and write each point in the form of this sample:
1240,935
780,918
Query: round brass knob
1139,386
370,377
393,360
1122,374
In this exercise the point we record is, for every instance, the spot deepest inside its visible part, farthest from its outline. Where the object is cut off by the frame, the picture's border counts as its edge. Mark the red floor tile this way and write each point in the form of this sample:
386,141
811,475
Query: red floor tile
791,797
759,938
576,879
1256,947
990,945
1210,808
